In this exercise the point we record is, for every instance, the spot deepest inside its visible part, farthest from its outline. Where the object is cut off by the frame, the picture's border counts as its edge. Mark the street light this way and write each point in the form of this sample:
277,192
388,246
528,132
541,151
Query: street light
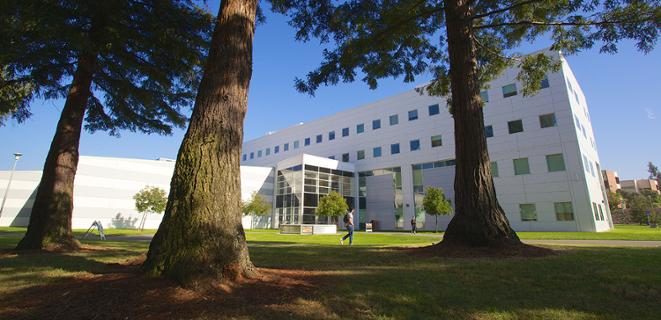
17,156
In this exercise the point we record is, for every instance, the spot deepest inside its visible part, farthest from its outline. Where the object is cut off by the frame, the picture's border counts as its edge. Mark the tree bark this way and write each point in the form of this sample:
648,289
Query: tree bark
201,239
50,219
479,220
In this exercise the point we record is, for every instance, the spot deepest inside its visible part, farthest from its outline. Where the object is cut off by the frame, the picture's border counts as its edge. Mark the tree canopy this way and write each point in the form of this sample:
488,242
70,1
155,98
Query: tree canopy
149,58
332,205
150,200
408,38
257,205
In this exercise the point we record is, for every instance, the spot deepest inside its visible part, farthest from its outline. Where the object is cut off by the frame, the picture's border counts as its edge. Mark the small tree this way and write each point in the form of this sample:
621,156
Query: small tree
614,200
257,206
331,205
436,204
150,200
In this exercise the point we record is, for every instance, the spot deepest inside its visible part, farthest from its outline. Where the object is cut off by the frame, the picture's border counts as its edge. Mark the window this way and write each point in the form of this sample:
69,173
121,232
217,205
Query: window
545,82
319,138
564,211
360,128
413,115
252,155
245,157
394,119
585,163
484,95
376,152
345,132
331,135
528,211
436,141
434,110
360,155
509,90
521,166
296,144
488,131
268,151
547,120
394,148
494,169
276,149
515,126
601,212
286,147
345,157
555,162
415,144
376,124
259,153
596,211
307,141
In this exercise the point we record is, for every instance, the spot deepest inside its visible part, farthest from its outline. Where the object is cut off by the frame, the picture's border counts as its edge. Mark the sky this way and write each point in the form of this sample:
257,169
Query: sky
622,92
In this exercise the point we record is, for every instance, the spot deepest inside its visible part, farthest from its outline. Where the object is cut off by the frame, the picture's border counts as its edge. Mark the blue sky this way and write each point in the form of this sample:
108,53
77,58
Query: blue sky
622,91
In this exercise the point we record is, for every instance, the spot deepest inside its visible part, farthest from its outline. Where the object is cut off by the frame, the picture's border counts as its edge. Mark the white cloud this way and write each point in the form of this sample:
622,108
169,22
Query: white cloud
650,114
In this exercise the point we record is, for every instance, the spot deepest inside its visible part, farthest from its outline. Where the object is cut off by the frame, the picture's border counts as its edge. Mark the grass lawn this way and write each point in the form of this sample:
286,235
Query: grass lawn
621,232
328,281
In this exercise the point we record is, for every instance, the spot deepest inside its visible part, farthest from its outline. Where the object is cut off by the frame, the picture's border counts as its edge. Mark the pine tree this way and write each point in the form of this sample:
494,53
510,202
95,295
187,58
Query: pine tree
201,240
120,65
464,44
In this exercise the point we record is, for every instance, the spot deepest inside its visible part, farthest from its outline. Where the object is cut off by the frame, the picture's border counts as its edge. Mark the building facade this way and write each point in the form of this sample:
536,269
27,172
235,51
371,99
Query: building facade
639,185
104,189
544,157
611,180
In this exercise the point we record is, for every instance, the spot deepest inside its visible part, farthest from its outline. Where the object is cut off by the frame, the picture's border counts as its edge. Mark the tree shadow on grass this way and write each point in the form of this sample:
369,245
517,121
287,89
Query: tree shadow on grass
364,283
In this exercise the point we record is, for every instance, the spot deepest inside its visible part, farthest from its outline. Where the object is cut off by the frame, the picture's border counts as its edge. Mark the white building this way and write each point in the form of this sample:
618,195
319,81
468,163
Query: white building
104,189
381,157
545,160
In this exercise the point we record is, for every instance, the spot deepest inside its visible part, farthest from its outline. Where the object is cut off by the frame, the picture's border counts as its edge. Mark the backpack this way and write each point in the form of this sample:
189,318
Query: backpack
346,218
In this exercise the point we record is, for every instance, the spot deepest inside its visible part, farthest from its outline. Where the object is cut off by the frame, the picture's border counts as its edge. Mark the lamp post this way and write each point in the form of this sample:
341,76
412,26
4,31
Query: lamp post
17,156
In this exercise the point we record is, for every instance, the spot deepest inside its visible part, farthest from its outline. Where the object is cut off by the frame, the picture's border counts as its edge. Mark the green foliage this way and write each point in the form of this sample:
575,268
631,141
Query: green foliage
150,200
257,205
149,57
654,171
614,200
331,205
382,39
435,203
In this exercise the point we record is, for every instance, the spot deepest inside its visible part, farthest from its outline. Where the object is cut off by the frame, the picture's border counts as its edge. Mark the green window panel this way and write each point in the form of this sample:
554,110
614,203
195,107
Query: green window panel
521,166
555,162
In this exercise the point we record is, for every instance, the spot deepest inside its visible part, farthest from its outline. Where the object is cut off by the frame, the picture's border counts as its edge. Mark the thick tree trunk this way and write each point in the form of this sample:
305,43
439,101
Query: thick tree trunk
479,220
50,219
201,239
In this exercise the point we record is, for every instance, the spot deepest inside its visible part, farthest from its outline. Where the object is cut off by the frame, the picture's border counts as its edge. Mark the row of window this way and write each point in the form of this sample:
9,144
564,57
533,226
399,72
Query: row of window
564,211
554,163
510,90
515,126
360,128
377,152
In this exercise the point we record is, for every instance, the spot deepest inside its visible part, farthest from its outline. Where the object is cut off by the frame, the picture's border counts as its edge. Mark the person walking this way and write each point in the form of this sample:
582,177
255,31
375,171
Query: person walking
348,223
414,225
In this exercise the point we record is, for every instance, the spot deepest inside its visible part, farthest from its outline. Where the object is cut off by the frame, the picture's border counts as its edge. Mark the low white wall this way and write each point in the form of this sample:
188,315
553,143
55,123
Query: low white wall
104,189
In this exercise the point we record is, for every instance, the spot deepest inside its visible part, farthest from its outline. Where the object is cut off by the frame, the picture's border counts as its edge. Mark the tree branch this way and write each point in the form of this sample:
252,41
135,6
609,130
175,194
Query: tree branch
560,23
522,3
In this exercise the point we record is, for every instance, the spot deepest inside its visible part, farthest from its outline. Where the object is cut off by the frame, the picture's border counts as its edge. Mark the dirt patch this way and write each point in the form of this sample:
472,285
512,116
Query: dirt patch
127,294
496,252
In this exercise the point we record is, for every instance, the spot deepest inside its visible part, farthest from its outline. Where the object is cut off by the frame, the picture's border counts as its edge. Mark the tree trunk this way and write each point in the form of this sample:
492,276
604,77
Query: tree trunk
201,239
436,223
479,220
50,219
